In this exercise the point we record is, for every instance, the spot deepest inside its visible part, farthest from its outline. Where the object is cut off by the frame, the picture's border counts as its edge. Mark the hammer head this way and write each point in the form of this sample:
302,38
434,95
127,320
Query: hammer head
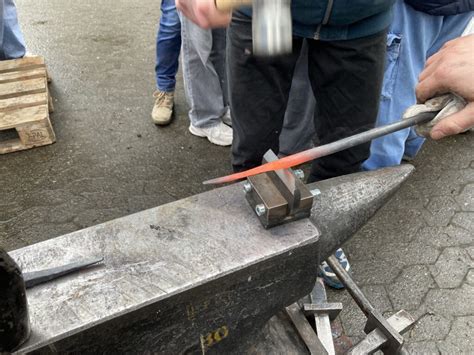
272,27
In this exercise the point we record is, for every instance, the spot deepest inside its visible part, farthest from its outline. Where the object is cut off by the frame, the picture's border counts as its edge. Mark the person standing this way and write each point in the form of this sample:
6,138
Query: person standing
12,42
205,83
168,46
420,28
346,51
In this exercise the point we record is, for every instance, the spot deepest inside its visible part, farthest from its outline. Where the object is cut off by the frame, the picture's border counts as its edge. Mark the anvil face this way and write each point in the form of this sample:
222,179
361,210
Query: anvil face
199,273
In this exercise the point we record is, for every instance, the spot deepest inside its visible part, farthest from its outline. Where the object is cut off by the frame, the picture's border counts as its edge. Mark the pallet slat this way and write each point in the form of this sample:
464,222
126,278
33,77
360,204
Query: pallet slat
25,104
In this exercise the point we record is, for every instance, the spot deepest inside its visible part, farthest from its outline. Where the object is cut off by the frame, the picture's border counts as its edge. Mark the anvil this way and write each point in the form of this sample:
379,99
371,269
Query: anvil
197,275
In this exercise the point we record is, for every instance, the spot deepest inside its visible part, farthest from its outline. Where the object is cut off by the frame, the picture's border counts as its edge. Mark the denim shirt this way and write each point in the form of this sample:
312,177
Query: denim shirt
338,19
442,7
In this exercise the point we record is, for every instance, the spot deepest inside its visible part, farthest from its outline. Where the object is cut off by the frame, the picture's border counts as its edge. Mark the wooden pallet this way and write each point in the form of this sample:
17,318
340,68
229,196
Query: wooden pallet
25,105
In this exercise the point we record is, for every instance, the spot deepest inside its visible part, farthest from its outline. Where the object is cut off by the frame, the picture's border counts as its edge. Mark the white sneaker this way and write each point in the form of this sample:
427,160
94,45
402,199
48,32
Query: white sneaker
219,135
227,119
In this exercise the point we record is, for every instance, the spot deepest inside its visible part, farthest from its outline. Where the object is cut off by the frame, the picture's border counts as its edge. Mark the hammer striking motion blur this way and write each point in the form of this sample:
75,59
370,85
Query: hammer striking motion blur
271,24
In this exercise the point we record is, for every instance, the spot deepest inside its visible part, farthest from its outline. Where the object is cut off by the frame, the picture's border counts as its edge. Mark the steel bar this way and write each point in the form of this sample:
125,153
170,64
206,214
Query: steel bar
327,149
322,322
305,330
374,317
400,321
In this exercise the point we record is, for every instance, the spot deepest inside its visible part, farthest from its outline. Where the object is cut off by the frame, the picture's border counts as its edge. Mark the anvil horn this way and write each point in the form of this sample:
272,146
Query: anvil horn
347,203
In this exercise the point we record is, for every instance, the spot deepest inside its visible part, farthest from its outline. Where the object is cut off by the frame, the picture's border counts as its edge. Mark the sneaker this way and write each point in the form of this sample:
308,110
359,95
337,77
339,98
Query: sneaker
219,135
329,276
227,119
163,109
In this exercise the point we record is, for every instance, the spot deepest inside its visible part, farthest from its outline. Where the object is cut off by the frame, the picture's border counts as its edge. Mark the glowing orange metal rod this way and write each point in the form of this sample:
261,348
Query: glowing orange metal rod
327,149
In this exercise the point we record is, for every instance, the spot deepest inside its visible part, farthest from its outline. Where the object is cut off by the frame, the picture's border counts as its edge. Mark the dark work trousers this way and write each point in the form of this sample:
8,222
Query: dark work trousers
346,77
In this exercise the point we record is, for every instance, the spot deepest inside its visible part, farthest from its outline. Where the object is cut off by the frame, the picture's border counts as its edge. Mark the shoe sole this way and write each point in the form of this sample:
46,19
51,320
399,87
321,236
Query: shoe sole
202,135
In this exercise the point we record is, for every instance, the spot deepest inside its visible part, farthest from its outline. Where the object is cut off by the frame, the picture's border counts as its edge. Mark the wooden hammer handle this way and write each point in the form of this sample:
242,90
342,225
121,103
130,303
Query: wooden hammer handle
229,5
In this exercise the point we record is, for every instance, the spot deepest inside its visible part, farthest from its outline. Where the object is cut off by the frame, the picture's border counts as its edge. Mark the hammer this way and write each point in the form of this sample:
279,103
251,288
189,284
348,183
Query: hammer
271,24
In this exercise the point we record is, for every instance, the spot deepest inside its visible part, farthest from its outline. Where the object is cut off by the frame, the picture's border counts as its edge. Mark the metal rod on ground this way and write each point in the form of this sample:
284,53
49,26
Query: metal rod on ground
375,320
328,149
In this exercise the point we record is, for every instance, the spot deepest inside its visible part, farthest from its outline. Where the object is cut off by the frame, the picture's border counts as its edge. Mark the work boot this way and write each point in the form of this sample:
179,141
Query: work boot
163,109
328,274
219,135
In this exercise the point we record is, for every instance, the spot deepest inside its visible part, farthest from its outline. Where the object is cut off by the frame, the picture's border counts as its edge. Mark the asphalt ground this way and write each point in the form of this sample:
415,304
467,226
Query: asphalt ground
110,161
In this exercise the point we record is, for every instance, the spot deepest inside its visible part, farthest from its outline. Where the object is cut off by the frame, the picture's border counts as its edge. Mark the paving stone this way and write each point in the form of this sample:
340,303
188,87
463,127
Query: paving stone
470,277
423,347
403,254
41,231
92,217
470,251
374,272
400,229
409,289
356,249
464,220
451,267
461,337
47,198
8,210
141,202
441,237
352,319
451,302
440,210
466,198
378,296
429,327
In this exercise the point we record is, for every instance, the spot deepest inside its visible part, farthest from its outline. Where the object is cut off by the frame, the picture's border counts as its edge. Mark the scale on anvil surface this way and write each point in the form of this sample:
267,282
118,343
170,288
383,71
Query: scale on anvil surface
279,196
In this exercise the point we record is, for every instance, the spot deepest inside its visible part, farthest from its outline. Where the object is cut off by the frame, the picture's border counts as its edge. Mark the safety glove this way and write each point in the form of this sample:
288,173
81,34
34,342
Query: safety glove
447,105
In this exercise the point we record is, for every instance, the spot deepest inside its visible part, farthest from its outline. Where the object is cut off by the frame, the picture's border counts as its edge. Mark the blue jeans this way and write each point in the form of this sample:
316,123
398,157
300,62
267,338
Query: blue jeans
413,37
168,46
12,43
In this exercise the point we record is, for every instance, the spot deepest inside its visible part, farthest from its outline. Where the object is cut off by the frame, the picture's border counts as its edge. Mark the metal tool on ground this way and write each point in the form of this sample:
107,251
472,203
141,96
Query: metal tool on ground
306,332
375,340
323,313
35,278
278,196
271,24
375,320
327,149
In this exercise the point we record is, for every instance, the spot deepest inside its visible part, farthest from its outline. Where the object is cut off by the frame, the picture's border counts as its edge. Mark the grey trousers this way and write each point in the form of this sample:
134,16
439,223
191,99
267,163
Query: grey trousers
298,126
205,84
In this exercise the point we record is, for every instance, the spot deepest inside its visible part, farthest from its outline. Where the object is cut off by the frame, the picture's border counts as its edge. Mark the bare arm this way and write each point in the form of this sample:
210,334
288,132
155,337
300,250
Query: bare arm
450,70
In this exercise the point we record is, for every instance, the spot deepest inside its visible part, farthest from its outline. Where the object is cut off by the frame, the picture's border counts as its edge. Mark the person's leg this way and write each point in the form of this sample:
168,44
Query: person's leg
411,35
12,41
218,60
298,127
346,77
202,83
259,91
168,46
